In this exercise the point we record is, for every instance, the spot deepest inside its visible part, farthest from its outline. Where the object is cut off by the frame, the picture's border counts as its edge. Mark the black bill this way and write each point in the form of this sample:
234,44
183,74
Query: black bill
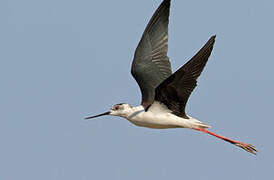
106,113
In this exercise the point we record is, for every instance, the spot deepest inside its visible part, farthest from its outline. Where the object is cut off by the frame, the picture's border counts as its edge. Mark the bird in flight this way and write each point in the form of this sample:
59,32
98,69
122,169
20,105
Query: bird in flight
164,95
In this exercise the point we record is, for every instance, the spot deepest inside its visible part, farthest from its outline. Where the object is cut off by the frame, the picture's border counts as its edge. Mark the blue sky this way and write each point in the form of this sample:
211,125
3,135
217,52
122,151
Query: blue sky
63,60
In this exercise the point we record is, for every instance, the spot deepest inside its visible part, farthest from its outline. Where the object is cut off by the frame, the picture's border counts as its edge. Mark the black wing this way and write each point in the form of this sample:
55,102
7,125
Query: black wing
151,65
176,89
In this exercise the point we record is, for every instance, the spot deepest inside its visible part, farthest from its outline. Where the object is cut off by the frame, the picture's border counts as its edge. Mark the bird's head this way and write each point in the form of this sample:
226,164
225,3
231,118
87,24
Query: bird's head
122,110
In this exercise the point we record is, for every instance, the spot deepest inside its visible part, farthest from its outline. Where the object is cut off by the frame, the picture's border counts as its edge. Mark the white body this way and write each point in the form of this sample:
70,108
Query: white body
158,116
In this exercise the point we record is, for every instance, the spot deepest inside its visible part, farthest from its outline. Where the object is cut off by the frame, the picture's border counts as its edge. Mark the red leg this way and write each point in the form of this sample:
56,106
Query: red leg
248,147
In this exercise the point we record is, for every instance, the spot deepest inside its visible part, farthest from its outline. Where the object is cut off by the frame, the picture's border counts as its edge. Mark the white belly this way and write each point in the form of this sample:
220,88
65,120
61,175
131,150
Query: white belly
159,117
150,120
160,121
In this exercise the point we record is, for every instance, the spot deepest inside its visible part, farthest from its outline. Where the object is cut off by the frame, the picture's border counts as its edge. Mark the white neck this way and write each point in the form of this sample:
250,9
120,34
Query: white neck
134,111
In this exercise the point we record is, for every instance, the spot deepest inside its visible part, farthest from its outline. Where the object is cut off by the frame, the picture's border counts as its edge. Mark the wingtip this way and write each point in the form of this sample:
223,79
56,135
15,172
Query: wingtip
165,3
213,37
211,40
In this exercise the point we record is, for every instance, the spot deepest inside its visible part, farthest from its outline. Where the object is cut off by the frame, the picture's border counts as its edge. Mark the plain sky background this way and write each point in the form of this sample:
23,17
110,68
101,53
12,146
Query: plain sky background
62,60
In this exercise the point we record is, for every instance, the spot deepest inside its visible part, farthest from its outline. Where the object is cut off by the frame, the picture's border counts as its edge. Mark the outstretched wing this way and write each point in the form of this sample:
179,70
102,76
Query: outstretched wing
151,65
176,89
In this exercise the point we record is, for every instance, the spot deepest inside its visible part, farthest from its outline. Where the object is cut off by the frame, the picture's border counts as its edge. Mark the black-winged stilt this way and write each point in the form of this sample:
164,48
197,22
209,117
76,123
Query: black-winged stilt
164,95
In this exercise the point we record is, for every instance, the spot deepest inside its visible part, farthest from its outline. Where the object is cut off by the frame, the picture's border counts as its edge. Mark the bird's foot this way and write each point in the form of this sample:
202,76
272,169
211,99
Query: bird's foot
248,147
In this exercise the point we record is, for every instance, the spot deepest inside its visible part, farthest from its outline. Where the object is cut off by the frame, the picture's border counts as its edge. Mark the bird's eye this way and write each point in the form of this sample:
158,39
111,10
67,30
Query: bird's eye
116,108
